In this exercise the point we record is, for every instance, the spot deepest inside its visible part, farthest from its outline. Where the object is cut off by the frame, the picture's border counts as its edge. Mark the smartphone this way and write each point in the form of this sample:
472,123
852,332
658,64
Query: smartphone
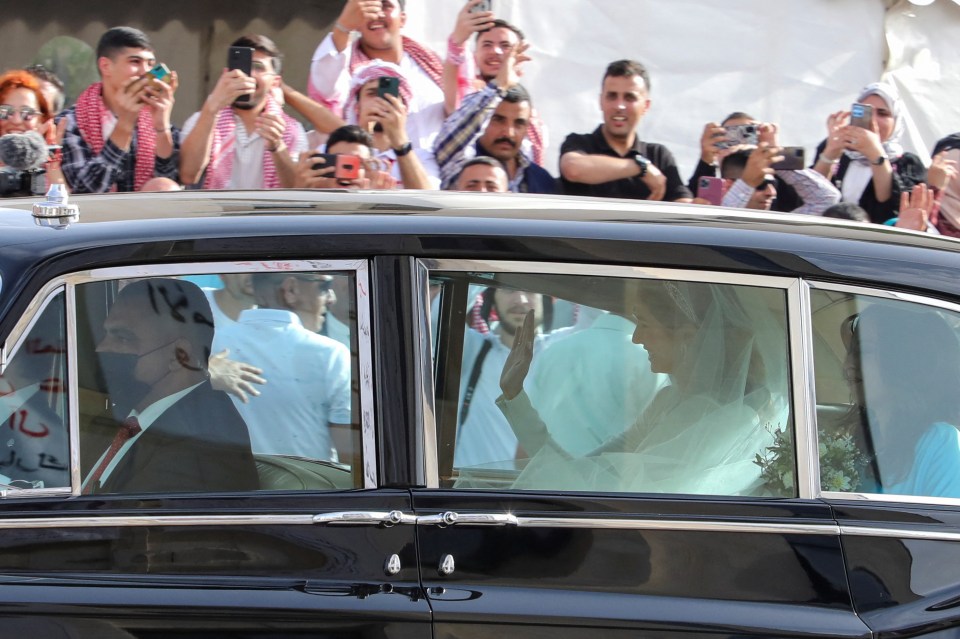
486,5
347,167
160,72
861,115
739,134
388,84
710,189
241,58
793,159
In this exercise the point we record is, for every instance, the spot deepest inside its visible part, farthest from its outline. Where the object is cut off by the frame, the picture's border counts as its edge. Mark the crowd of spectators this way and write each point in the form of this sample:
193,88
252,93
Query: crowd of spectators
385,112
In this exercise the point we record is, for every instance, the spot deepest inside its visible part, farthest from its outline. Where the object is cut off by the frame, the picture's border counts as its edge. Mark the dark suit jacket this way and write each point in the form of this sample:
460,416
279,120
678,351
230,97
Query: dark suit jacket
199,444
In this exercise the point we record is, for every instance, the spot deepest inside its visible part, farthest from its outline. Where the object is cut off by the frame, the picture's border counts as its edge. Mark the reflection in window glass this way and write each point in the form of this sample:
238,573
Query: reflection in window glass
896,432
227,388
34,446
599,384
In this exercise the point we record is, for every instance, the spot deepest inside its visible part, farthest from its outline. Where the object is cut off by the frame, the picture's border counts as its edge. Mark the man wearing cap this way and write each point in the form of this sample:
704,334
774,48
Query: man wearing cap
379,23
754,185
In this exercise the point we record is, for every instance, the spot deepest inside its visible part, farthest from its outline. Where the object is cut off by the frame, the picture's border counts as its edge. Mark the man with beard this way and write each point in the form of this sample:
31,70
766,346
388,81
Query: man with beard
612,161
483,434
494,122
380,24
463,75
177,433
243,145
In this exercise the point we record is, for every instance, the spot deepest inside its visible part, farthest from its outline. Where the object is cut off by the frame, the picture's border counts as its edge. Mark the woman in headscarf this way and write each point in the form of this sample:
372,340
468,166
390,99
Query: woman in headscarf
869,166
726,357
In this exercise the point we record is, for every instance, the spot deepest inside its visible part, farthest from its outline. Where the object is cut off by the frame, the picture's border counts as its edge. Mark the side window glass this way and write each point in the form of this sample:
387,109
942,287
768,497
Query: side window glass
236,382
34,444
576,383
893,427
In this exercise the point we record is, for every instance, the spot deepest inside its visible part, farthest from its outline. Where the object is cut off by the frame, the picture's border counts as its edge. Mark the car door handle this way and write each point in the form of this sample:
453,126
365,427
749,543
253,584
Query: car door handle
364,518
470,519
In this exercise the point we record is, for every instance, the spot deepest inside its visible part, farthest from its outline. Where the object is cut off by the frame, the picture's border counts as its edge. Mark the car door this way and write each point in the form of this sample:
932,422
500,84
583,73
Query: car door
163,533
887,367
651,489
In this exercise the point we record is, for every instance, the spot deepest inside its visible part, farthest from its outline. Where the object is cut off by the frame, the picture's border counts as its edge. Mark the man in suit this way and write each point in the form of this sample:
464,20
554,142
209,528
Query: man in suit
179,434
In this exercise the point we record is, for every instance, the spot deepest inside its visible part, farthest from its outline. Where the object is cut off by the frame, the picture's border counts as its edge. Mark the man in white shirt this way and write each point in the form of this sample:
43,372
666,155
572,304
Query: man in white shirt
379,23
304,408
247,144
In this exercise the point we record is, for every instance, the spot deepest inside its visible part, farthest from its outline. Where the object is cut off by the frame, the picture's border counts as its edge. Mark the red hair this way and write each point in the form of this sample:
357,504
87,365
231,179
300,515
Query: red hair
22,80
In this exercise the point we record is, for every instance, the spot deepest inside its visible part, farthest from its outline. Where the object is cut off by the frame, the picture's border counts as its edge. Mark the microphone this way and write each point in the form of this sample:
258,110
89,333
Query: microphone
23,151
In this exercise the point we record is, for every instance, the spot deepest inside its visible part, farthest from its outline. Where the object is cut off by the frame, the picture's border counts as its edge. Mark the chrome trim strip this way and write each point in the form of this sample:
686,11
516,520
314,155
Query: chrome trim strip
73,399
679,525
428,471
368,423
120,521
610,270
888,498
803,387
898,533
885,294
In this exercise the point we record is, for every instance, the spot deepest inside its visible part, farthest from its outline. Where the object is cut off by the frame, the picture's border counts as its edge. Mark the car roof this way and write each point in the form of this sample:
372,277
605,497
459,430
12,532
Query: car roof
469,225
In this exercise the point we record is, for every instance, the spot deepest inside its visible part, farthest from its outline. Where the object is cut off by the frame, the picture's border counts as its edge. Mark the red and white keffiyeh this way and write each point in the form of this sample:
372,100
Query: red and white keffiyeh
371,71
91,112
223,147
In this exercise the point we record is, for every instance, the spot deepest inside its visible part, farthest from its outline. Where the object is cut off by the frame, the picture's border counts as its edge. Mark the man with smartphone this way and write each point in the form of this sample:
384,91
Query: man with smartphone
612,161
380,25
753,171
241,138
494,122
463,74
118,134
720,140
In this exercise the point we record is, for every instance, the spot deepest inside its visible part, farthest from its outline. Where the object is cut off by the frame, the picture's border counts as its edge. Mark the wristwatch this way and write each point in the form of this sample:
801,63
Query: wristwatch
643,163
880,160
403,150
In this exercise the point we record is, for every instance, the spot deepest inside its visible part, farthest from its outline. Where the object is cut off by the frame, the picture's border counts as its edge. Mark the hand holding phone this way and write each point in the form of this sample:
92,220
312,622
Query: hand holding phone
241,58
793,159
710,189
161,73
388,85
861,115
346,167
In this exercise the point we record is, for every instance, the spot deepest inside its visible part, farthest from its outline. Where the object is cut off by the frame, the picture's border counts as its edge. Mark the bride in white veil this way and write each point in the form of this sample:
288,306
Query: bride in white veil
726,355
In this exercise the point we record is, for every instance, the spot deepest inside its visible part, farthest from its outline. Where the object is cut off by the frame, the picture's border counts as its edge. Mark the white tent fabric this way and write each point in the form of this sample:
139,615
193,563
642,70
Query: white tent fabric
790,61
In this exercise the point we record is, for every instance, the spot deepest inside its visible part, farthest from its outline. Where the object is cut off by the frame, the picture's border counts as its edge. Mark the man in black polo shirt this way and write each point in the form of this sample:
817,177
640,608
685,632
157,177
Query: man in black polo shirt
612,161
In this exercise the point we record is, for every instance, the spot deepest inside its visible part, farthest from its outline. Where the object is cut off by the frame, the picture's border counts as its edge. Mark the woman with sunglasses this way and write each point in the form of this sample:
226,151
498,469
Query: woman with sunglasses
23,108
22,105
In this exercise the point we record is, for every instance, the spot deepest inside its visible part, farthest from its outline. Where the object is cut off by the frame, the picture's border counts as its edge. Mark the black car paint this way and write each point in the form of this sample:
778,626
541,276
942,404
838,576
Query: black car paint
159,581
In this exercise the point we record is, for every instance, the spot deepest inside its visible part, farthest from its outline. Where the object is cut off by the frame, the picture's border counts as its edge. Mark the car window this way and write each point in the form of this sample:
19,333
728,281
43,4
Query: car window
892,429
229,382
34,445
553,382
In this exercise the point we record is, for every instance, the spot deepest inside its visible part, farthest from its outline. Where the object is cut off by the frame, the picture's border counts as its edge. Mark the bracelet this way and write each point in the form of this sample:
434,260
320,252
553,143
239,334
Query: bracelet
163,130
455,53
821,158
339,27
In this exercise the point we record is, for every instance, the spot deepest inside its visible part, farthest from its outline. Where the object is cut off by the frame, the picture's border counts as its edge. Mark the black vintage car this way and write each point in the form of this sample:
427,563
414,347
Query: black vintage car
710,424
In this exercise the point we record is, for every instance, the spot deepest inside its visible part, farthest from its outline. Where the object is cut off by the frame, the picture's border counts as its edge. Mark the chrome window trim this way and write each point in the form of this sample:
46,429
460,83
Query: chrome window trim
866,291
428,472
800,327
605,523
68,282
786,284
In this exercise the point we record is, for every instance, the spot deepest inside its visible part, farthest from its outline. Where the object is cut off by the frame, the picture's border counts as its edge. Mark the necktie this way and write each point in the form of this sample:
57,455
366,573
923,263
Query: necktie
129,427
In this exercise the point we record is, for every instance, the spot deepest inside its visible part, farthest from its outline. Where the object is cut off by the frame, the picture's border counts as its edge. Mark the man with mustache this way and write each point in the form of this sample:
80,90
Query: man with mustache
612,161
494,122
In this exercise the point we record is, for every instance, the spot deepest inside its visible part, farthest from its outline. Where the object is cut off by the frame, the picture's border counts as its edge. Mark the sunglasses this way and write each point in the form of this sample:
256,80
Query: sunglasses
26,113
